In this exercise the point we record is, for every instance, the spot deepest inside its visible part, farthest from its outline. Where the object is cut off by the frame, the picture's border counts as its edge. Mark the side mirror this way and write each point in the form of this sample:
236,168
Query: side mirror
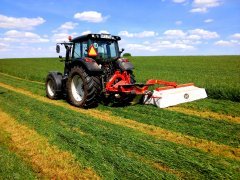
57,48
121,51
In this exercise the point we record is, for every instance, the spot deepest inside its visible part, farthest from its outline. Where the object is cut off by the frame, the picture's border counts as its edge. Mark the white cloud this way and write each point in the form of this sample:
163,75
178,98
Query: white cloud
62,36
20,23
143,34
86,32
179,1
174,33
202,6
223,43
199,10
173,45
227,43
207,3
171,39
23,37
3,46
236,36
178,22
139,47
204,33
158,46
194,37
68,26
90,16
208,20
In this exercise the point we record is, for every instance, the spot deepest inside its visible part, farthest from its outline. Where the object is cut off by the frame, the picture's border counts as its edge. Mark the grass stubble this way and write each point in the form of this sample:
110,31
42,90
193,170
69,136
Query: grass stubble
48,160
157,132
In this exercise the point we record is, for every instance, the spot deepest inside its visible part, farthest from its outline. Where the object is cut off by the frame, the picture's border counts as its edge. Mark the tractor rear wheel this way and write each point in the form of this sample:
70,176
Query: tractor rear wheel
83,88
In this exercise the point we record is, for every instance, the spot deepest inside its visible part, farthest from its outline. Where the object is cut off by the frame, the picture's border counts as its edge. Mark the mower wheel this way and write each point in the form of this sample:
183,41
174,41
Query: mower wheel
123,100
83,88
54,85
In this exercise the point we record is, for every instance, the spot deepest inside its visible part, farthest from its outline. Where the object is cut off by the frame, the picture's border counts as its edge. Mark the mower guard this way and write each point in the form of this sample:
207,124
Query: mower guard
168,94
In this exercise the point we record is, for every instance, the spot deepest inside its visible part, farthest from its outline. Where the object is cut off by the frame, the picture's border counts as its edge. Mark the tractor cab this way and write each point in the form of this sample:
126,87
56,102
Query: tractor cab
100,47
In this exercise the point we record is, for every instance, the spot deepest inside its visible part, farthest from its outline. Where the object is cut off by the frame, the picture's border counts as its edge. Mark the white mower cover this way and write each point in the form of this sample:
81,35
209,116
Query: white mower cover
174,96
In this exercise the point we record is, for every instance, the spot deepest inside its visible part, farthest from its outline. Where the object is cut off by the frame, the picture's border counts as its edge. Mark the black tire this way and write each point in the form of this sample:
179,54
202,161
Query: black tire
90,88
132,77
54,85
126,99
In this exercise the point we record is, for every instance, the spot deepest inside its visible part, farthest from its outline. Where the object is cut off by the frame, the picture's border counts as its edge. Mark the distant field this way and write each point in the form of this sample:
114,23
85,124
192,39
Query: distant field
41,138
220,75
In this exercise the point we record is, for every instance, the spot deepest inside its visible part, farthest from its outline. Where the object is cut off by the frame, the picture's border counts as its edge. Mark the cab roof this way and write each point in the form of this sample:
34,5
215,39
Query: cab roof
96,36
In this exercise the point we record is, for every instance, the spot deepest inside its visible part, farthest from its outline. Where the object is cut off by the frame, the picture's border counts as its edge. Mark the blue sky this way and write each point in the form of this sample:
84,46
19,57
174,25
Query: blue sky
31,28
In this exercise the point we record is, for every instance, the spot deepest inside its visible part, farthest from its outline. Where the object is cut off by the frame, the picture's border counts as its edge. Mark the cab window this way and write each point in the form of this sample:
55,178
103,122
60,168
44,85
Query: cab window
84,49
77,53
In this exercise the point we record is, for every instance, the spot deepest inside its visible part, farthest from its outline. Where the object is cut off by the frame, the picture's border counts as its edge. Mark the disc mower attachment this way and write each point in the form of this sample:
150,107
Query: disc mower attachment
170,95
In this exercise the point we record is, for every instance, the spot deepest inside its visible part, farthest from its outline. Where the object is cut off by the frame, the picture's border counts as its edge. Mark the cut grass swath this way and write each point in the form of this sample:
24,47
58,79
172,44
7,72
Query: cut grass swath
105,146
47,160
12,166
205,114
157,132
222,132
221,107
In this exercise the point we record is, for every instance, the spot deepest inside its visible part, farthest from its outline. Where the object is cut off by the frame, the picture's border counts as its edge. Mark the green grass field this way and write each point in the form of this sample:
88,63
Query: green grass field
134,142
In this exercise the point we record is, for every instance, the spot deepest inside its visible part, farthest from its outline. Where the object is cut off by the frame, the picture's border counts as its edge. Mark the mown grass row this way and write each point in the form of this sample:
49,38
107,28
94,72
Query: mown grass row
222,132
220,75
154,131
108,148
217,106
12,166
49,161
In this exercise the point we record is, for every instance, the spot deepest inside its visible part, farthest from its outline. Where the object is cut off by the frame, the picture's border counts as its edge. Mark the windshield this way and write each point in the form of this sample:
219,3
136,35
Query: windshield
106,49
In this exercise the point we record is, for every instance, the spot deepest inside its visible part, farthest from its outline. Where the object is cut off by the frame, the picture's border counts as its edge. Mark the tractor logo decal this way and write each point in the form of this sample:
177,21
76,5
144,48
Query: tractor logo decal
186,96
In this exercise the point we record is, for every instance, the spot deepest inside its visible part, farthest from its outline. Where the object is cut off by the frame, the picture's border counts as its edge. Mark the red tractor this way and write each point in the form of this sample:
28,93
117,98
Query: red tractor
95,72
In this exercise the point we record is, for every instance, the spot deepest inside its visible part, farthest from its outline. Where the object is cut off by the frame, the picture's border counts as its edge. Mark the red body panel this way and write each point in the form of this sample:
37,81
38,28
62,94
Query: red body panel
121,83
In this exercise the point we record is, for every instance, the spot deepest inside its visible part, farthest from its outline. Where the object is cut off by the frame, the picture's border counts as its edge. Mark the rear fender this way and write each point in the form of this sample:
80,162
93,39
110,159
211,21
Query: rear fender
88,63
124,64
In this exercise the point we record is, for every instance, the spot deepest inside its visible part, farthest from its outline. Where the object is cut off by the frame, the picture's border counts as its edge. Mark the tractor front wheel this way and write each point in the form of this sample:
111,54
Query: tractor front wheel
83,88
54,85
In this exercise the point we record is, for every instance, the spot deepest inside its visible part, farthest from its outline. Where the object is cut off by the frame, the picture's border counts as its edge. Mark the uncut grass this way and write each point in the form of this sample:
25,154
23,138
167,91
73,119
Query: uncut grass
35,69
105,145
220,75
222,132
12,166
